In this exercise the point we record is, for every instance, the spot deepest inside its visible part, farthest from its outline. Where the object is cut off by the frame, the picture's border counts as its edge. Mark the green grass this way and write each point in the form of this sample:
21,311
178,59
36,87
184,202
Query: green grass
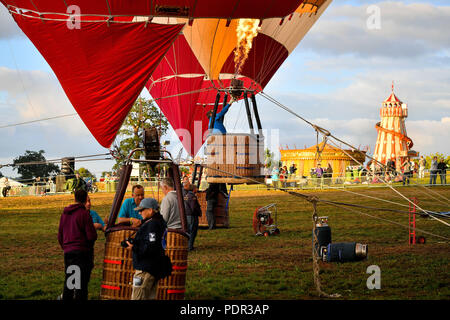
233,263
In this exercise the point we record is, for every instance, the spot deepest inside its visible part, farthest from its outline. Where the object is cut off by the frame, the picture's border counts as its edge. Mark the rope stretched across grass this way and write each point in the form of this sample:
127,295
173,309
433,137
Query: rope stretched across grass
313,199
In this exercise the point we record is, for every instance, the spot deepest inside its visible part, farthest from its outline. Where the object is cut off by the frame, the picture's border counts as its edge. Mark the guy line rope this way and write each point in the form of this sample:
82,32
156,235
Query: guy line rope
314,200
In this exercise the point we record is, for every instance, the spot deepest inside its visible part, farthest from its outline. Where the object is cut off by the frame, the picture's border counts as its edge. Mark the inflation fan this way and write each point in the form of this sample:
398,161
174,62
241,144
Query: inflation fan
263,223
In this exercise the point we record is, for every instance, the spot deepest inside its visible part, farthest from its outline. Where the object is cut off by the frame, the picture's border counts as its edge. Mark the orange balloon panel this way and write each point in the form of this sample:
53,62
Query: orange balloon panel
212,42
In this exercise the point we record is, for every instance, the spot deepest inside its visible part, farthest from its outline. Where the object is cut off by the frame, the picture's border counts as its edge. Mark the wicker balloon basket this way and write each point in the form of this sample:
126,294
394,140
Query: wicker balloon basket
174,286
220,211
237,157
117,267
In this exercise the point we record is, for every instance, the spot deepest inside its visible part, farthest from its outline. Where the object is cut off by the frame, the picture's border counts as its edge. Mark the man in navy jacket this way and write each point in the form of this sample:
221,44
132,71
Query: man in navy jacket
148,252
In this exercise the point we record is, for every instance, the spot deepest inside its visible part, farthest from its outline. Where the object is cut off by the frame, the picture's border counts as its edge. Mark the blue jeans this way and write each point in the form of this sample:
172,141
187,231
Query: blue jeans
433,177
192,224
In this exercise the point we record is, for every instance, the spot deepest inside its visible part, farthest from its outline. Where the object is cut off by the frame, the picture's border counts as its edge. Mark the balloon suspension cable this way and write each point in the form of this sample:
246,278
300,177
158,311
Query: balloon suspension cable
51,161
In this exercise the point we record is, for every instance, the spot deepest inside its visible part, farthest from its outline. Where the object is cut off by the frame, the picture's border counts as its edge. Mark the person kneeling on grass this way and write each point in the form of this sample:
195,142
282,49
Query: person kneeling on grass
149,259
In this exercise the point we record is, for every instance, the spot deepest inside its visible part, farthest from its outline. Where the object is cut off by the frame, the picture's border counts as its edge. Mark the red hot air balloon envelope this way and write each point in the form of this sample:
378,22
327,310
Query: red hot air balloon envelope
192,9
101,69
180,85
184,95
103,65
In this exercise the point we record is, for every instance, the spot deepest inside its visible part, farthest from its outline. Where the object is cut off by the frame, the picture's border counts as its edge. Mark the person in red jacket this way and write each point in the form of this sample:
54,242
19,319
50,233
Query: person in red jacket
77,236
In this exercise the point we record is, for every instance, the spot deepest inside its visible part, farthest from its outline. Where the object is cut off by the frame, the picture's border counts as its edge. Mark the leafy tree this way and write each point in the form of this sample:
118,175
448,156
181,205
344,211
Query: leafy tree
269,159
104,173
34,169
85,173
143,114
439,156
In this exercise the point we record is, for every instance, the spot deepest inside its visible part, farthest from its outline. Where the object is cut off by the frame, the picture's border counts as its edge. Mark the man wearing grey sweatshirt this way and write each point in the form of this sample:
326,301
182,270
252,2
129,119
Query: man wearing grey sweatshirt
433,170
169,205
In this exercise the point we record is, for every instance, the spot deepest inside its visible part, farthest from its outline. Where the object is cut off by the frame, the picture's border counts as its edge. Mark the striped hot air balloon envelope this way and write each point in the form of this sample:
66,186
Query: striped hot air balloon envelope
104,61
201,61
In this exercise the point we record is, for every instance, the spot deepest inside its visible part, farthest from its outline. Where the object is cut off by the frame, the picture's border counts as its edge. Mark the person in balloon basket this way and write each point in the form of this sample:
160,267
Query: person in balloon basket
219,128
149,260
127,214
77,236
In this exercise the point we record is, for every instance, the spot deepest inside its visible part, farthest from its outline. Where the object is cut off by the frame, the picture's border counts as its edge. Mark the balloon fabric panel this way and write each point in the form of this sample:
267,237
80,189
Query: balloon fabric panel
101,68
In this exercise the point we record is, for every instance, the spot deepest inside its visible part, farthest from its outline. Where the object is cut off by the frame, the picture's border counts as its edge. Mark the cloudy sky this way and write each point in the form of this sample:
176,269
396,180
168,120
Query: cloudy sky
343,71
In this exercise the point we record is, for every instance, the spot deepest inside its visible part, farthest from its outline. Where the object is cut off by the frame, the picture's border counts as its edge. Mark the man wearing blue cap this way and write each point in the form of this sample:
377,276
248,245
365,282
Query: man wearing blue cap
148,252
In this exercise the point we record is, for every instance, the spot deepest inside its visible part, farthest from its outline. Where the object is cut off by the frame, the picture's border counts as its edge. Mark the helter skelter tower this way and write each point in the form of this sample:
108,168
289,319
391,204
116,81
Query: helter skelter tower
392,141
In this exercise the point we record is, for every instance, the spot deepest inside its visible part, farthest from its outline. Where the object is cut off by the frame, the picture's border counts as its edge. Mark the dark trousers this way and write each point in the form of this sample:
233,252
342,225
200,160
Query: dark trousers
406,177
211,204
84,260
192,223
443,177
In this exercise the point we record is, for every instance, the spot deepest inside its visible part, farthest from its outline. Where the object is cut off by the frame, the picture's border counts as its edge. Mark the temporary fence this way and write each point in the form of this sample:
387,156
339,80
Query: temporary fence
344,181
291,182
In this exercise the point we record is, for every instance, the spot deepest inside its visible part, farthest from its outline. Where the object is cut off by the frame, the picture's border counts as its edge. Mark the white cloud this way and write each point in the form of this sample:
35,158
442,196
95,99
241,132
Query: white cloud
32,95
407,30
8,29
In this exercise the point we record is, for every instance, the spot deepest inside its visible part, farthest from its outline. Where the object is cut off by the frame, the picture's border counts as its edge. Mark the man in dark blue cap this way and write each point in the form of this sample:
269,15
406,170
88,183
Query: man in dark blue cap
148,252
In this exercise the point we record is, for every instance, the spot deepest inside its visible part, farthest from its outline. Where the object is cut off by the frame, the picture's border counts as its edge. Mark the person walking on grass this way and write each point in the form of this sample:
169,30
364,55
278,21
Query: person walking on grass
77,236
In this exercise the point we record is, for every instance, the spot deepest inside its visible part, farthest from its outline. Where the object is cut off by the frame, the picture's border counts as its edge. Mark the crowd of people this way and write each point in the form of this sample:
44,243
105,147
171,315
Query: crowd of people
407,168
282,177
79,223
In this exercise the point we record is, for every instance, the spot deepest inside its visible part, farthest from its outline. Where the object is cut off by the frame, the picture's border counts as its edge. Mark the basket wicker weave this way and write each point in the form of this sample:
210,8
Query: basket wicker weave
237,158
220,211
117,267
173,287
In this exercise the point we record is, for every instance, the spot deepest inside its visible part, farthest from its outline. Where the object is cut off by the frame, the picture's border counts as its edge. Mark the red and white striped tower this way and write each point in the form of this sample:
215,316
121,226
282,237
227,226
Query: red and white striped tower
392,141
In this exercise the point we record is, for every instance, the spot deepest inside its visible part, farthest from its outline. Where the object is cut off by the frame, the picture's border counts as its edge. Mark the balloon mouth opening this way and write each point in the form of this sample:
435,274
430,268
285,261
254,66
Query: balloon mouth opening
236,88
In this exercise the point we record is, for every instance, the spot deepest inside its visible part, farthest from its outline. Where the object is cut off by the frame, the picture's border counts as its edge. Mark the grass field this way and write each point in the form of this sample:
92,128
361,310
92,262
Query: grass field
235,264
